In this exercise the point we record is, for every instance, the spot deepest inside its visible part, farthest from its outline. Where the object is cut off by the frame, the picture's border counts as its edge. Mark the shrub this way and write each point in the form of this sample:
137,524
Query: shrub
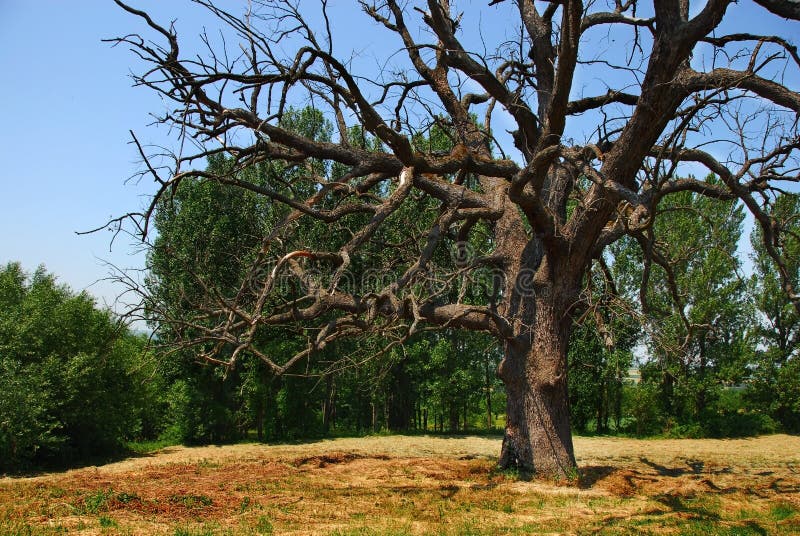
70,384
641,404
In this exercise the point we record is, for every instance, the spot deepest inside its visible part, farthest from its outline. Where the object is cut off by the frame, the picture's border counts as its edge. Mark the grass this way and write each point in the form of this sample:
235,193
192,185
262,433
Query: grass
144,448
398,485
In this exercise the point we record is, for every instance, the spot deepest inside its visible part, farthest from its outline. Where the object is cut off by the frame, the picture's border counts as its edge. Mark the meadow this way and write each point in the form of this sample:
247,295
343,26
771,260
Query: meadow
418,485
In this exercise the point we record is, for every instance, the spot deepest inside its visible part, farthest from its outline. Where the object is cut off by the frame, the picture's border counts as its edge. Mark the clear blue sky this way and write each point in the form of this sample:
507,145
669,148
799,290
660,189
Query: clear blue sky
67,105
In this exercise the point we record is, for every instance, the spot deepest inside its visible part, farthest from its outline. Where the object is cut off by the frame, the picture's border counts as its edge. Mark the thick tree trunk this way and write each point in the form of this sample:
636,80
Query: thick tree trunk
538,436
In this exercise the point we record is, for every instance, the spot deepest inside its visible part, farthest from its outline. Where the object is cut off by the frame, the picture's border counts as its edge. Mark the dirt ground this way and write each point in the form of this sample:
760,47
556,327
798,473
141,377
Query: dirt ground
419,485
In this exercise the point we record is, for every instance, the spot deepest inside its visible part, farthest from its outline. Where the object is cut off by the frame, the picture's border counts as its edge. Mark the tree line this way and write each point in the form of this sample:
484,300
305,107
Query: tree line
709,330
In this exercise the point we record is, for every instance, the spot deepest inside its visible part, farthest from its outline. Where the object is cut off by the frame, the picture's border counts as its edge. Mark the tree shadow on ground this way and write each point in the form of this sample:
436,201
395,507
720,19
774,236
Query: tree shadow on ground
693,467
591,474
60,466
691,518
684,505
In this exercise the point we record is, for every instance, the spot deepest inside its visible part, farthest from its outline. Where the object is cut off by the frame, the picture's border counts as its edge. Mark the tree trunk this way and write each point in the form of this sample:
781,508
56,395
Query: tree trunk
260,421
400,407
276,385
602,404
618,399
489,422
452,413
387,402
701,400
329,405
538,437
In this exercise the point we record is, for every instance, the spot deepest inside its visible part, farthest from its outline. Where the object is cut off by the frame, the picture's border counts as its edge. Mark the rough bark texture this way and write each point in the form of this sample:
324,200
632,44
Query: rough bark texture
538,437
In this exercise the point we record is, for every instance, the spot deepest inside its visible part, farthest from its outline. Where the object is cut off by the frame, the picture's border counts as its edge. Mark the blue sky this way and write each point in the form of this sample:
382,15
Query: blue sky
67,105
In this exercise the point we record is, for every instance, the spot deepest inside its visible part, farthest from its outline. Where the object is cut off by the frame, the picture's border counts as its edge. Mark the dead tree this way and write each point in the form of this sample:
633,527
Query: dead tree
609,101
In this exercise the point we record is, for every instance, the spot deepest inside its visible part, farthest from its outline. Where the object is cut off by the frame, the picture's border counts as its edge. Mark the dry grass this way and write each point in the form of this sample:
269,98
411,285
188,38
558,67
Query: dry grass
419,485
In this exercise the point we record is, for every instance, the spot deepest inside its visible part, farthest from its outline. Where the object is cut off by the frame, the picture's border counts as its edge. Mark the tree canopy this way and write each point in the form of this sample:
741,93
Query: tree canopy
71,377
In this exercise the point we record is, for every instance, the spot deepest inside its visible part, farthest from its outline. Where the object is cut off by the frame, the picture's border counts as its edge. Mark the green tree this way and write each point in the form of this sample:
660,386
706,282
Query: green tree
775,381
596,378
697,316
71,385
209,236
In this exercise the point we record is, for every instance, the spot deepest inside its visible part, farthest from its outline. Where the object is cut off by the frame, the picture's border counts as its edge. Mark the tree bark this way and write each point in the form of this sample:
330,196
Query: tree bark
489,421
538,436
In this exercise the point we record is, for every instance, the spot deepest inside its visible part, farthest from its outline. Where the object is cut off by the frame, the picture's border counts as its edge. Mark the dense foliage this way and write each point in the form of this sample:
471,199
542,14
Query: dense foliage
72,381
700,343
775,366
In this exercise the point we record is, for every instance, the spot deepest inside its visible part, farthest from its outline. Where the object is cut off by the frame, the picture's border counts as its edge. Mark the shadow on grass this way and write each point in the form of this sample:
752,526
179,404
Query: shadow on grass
154,448
71,463
126,451
689,515
683,505
704,521
693,467
592,474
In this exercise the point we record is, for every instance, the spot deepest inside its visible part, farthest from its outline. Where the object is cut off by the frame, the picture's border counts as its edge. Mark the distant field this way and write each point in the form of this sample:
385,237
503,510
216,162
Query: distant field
419,485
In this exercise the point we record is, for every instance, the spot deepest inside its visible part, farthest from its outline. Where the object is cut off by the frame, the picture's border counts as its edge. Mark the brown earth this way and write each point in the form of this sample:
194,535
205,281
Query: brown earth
418,485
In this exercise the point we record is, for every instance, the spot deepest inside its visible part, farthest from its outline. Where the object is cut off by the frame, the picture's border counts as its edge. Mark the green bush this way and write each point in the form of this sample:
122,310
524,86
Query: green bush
691,430
744,424
27,426
775,390
70,376
641,403
732,415
201,410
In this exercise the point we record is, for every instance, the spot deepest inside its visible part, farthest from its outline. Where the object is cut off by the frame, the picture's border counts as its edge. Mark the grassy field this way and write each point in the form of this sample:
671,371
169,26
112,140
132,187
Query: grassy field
419,485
